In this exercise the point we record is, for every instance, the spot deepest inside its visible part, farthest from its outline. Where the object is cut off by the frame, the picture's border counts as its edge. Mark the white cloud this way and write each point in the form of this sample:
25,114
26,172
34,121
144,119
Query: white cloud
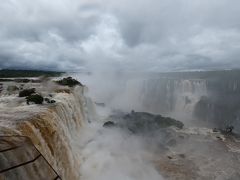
133,35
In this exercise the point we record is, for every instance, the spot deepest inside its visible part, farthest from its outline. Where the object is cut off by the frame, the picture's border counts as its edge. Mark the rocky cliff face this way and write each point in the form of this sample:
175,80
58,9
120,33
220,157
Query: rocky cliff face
50,127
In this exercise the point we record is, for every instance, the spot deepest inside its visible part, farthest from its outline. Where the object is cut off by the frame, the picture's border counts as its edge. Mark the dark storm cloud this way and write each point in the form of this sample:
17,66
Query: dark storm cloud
136,35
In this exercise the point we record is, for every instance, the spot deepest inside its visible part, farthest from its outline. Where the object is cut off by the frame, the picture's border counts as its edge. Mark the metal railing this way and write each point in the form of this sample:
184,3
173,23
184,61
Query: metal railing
24,143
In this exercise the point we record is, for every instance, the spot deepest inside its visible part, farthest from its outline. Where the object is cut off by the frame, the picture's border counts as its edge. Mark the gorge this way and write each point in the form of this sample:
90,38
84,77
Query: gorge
70,136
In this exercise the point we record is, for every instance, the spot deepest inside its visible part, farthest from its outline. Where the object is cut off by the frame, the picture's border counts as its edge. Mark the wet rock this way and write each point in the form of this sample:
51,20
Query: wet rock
6,80
35,98
109,124
220,138
229,129
22,80
52,101
49,101
169,157
27,92
27,80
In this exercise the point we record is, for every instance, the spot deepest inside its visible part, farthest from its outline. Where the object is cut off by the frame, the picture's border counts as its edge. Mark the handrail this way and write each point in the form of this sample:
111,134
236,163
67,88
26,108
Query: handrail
9,149
58,177
22,164
31,161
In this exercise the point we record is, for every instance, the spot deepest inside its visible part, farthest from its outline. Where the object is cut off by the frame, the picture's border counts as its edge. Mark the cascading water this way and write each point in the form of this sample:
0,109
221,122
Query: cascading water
71,136
111,153
168,96
51,128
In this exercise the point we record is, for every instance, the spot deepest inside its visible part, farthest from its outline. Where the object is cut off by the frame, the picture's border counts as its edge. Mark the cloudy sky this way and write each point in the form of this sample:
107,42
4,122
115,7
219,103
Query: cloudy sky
132,35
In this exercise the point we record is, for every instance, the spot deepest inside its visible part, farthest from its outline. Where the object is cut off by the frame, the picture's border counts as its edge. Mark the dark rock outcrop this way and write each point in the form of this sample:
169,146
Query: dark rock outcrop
146,121
27,92
141,122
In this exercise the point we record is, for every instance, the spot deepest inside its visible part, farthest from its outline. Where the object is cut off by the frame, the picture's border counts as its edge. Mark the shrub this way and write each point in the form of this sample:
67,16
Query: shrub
69,81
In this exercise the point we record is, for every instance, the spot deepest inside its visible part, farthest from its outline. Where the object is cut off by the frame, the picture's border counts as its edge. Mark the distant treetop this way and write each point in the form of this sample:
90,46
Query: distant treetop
8,73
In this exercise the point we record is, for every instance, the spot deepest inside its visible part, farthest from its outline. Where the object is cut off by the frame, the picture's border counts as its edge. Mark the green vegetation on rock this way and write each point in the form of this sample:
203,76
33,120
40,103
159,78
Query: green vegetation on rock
35,98
142,122
69,81
27,92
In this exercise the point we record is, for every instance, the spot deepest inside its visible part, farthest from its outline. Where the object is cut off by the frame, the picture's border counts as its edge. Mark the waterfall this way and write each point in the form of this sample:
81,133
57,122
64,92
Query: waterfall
212,100
186,95
51,128
72,140
69,134
167,96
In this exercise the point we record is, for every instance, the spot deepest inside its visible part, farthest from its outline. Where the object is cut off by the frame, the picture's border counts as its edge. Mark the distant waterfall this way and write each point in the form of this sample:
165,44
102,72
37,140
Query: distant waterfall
165,95
211,100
